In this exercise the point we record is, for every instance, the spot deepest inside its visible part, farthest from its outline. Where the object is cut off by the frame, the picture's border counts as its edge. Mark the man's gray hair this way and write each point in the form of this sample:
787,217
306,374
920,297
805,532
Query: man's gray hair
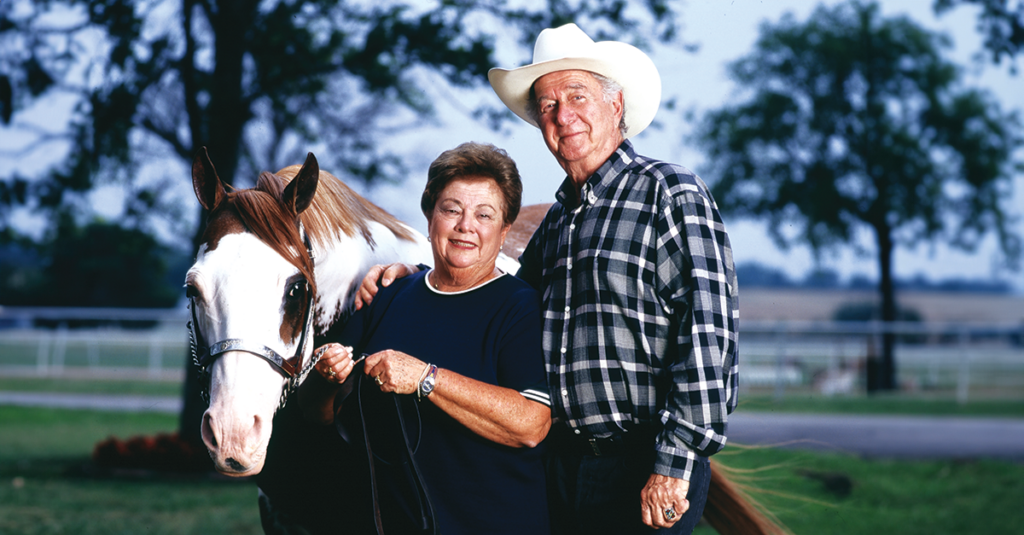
609,88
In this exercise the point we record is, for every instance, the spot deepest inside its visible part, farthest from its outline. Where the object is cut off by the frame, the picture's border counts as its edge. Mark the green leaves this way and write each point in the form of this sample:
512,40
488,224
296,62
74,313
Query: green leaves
856,119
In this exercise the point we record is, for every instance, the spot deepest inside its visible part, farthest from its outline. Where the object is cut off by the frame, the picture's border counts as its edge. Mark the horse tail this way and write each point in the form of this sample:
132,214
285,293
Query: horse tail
731,510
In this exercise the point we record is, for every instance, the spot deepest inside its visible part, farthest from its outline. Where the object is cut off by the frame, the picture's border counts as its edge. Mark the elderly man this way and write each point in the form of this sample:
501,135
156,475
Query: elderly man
640,303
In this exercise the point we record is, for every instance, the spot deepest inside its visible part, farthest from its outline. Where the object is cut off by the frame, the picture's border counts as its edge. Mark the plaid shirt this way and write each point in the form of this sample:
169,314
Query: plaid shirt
640,307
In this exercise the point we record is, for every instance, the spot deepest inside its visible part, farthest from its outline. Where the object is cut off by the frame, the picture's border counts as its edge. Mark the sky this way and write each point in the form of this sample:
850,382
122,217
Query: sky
725,30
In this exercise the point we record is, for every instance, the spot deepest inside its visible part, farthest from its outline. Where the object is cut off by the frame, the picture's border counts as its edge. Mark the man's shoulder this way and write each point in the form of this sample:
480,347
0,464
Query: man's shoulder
668,173
675,184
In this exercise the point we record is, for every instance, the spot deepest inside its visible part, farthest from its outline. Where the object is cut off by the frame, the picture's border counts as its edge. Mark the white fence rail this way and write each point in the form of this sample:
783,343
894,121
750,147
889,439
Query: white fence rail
959,359
830,357
93,342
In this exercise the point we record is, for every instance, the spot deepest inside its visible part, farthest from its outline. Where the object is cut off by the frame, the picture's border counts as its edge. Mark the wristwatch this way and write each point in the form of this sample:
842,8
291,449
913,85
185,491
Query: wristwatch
427,384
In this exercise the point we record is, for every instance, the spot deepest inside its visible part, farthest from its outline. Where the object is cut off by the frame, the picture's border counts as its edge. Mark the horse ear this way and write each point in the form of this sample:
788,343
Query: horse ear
298,194
207,185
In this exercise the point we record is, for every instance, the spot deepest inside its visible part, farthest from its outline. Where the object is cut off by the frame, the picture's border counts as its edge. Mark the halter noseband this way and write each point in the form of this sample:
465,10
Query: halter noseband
203,356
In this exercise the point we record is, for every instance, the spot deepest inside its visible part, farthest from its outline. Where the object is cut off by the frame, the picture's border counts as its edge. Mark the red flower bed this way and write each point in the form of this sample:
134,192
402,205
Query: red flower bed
165,452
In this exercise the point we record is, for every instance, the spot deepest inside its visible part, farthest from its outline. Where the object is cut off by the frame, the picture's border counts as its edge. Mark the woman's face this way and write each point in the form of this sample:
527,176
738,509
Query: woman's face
467,227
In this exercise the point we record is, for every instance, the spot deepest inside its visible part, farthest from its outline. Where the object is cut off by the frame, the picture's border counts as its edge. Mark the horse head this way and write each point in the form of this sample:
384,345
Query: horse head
252,292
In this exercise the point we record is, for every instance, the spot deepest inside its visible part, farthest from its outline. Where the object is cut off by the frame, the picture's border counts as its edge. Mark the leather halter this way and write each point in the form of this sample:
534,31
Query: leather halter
203,356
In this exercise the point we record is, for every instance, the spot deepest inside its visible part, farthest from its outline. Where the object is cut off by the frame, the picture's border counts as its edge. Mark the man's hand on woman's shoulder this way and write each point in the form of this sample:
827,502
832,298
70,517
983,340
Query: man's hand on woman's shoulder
381,275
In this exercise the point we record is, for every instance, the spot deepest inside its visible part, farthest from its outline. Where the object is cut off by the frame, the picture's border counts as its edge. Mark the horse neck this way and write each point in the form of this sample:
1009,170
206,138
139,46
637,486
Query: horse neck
343,261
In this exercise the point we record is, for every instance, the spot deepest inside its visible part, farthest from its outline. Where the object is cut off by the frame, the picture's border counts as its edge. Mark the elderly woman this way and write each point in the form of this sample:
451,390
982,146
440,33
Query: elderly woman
463,338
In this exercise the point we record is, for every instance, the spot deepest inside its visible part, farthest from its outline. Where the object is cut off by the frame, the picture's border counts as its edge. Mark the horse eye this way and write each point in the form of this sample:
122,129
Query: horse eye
296,289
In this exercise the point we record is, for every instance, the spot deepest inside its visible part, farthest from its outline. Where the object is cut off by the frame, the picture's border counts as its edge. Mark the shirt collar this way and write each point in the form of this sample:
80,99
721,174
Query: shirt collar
600,181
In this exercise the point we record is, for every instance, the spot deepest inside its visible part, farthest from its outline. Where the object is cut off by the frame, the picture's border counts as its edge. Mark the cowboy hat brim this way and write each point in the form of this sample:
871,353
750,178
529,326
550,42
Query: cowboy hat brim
623,63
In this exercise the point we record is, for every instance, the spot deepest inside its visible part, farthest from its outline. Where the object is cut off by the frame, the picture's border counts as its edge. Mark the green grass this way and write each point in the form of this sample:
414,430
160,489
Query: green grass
44,488
90,386
106,355
896,403
922,497
798,402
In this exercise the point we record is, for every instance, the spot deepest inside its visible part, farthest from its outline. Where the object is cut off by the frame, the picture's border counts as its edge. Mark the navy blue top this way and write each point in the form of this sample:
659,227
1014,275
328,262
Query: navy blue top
491,333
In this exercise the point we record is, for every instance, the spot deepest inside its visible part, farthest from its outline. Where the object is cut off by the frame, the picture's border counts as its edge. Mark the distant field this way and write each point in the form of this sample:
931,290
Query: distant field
794,370
90,386
901,403
810,304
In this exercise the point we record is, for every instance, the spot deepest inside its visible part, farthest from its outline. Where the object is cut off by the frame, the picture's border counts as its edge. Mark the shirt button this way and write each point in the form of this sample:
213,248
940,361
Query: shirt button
565,393
572,226
566,309
563,350
569,266
577,431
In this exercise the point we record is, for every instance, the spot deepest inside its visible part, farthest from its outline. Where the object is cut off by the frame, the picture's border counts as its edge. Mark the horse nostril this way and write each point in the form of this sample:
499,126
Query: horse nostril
235,465
208,435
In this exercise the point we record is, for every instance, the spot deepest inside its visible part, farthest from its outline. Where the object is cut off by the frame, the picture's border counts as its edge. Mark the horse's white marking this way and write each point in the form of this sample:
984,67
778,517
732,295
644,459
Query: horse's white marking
243,282
341,265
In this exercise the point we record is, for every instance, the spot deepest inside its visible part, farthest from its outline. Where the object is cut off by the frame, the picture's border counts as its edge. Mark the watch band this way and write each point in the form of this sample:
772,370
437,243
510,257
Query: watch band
427,383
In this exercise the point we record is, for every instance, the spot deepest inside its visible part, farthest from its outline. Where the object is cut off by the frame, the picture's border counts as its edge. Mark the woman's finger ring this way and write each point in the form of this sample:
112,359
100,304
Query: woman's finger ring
379,382
670,514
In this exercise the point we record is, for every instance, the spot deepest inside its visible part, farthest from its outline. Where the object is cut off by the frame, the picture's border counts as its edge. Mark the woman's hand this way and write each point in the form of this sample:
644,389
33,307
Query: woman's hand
395,371
336,363
316,396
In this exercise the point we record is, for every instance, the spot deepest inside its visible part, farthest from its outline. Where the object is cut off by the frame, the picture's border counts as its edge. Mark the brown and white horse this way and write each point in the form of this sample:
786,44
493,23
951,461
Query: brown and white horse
278,264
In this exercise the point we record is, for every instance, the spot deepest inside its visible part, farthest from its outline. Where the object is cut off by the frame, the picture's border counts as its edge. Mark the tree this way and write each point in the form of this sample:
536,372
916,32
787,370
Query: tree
257,82
1001,25
100,264
854,121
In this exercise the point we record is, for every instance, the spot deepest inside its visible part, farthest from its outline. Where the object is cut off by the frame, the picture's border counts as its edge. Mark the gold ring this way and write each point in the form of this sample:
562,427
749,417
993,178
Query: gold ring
670,514
330,371
379,382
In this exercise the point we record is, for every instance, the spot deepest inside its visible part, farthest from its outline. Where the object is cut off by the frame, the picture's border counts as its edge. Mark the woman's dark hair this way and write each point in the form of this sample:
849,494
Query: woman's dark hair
469,160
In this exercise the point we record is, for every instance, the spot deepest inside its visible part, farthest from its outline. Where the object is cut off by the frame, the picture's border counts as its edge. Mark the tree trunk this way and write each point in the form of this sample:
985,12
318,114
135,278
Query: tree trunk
882,372
220,130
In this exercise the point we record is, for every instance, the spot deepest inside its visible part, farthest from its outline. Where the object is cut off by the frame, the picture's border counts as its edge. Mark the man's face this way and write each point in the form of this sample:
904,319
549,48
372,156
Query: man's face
580,127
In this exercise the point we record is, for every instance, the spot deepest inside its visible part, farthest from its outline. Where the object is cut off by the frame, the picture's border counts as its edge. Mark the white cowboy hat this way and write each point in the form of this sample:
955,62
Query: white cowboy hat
568,48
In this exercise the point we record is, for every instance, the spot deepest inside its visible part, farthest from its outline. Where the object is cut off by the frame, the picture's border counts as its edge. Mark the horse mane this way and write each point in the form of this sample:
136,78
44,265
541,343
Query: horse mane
337,210
261,210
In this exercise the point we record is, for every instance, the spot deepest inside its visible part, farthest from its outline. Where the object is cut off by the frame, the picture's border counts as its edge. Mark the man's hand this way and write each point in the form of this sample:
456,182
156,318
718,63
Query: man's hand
385,274
660,494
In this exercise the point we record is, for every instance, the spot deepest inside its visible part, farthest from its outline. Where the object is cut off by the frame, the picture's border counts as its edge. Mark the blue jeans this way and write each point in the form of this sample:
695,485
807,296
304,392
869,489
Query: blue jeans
601,495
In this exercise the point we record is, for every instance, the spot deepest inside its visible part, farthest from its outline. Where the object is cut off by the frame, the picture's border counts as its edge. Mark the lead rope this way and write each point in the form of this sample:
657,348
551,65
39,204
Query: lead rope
295,380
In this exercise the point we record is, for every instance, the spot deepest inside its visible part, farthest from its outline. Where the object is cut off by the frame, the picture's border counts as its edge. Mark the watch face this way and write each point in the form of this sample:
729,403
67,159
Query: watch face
428,385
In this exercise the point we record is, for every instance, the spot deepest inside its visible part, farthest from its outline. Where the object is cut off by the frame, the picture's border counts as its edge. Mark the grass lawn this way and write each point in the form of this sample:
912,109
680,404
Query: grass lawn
90,386
43,488
813,493
894,403
750,401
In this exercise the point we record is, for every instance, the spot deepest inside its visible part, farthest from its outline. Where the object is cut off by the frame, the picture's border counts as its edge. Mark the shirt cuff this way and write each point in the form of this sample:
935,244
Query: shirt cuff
674,461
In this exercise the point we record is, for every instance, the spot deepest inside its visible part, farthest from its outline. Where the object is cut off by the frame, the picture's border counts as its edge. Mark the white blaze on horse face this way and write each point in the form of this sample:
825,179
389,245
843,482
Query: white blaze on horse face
242,283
